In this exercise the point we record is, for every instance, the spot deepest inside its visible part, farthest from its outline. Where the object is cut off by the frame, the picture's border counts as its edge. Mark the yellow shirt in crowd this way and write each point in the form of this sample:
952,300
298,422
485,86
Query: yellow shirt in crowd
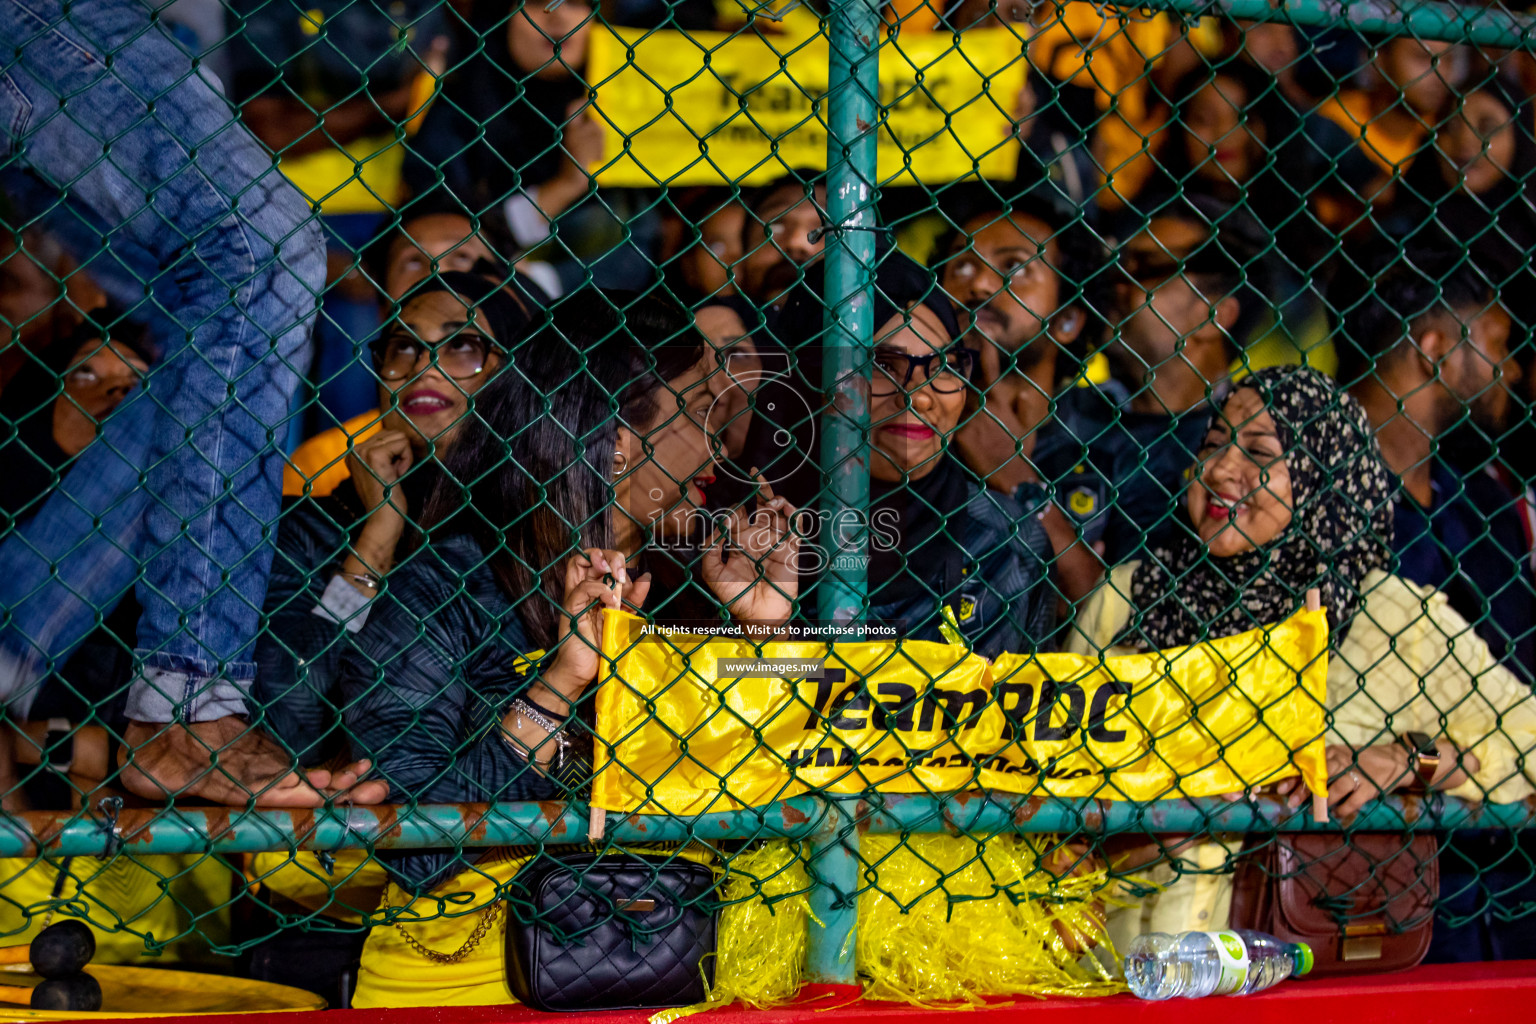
1390,150
318,466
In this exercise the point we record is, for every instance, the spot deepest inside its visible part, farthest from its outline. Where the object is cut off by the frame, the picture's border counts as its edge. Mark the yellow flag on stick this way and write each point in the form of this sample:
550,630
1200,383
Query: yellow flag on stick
687,724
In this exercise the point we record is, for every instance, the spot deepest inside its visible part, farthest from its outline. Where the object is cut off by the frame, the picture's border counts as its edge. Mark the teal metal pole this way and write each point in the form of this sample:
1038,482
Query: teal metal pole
425,826
983,814
834,870
833,826
852,118
1455,23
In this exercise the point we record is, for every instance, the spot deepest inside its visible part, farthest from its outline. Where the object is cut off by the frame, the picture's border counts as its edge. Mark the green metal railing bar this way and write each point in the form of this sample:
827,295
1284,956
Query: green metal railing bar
1453,23
831,824
852,118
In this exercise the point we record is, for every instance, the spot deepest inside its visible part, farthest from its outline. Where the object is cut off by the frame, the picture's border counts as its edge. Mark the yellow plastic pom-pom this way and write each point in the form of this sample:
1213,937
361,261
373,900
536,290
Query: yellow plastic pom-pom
761,937
942,918
950,918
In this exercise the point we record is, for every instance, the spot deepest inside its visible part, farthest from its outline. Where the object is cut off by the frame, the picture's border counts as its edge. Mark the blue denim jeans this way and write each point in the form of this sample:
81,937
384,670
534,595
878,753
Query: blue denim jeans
146,173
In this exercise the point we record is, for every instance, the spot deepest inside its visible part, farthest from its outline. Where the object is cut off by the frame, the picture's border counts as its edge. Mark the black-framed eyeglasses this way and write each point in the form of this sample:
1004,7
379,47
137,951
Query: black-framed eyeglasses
946,372
460,357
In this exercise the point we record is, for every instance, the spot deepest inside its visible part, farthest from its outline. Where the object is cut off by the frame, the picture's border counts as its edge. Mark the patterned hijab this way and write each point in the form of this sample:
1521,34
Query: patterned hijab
1341,527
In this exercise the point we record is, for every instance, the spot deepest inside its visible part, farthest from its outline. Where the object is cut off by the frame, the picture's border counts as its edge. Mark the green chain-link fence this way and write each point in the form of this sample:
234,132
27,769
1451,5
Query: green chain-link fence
665,333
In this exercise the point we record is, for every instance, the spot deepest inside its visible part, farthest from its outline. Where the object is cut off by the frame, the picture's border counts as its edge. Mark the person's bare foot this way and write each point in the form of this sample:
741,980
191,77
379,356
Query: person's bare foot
229,761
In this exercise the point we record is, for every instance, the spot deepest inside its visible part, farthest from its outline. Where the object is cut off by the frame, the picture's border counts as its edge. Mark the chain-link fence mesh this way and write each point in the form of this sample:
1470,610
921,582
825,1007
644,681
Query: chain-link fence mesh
986,480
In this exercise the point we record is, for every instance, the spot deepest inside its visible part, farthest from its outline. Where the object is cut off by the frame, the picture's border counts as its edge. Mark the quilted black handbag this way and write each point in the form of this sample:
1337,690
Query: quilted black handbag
611,932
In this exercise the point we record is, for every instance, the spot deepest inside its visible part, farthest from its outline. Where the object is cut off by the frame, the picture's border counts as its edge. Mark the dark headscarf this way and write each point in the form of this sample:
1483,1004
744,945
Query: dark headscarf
783,438
925,508
900,284
1341,527
508,318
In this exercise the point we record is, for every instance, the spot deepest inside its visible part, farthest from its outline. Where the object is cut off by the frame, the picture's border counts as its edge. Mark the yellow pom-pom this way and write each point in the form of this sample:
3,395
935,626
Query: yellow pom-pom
760,955
950,918
941,919
761,936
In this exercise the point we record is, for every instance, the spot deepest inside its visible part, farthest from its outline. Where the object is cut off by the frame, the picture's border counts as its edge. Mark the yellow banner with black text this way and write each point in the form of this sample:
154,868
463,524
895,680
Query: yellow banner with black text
688,725
715,108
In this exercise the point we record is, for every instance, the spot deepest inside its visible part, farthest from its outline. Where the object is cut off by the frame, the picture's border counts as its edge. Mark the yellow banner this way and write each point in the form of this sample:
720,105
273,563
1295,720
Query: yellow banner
678,734
715,108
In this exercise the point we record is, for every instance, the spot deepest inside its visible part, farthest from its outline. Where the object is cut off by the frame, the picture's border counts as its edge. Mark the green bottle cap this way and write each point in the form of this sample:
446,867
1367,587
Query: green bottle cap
1301,953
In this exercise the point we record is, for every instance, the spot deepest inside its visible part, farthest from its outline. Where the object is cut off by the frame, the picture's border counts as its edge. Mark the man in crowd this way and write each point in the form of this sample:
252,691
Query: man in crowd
1182,307
1425,349
1024,279
781,237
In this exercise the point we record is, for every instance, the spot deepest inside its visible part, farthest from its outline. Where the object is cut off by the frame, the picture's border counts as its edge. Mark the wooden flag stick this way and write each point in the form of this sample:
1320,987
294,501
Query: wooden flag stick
1319,803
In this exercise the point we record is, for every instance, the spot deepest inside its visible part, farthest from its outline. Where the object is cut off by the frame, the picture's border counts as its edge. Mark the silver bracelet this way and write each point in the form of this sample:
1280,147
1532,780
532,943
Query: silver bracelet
526,709
367,579
537,715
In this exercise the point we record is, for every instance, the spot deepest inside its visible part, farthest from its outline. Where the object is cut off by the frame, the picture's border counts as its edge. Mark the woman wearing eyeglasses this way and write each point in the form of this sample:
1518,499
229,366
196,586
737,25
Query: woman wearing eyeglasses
451,336
937,537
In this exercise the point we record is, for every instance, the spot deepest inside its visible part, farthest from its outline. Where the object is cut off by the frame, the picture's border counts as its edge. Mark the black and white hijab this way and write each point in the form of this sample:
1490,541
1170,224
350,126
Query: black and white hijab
1341,527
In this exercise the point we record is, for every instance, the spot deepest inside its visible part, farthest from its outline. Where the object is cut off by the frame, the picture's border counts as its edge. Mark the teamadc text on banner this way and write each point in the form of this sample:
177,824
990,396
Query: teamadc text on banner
676,735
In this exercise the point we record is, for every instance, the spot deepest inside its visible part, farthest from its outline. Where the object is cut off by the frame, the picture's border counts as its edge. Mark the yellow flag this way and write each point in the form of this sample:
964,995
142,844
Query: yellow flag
715,108
683,730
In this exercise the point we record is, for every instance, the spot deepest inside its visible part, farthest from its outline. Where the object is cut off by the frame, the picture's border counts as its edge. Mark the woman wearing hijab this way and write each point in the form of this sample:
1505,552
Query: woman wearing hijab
937,538
1290,493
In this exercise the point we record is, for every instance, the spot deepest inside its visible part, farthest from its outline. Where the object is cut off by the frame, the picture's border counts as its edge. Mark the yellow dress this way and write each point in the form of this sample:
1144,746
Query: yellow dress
128,902
395,971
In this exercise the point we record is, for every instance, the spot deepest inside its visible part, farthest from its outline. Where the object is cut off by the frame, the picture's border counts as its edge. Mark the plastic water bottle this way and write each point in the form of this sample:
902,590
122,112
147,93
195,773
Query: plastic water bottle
1194,964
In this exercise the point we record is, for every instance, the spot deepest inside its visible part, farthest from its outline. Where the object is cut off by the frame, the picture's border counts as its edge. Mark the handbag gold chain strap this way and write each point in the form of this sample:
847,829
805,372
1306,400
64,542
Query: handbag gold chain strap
488,917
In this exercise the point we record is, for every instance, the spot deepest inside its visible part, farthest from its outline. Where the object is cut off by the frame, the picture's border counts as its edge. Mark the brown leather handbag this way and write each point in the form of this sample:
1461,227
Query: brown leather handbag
1365,903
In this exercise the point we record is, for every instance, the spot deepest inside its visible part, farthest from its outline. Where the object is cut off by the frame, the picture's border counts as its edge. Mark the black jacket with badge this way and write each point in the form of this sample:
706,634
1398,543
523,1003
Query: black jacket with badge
965,546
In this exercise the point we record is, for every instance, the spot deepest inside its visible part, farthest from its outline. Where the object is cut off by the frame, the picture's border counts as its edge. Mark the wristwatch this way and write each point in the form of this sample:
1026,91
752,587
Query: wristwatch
59,756
1423,757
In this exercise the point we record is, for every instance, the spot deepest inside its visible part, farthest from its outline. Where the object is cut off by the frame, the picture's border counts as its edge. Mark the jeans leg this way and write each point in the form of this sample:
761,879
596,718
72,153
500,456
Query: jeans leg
77,557
156,167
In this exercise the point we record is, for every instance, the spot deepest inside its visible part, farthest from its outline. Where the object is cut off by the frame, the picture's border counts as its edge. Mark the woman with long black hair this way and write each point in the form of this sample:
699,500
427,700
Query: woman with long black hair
467,683
453,334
